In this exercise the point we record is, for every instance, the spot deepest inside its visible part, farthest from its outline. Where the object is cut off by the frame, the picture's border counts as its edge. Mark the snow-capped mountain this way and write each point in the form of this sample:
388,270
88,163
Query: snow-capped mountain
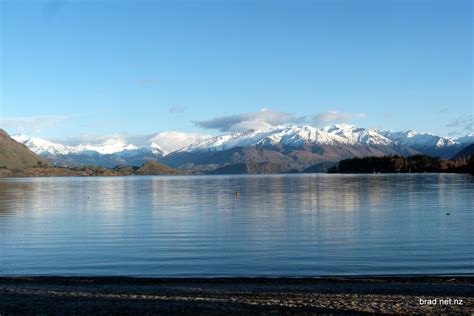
293,136
285,149
430,144
44,147
108,146
339,134
294,146
468,139
109,153
353,134
412,138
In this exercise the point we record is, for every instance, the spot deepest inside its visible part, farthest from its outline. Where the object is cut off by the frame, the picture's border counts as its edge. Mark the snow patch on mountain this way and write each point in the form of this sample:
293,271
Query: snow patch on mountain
468,139
169,141
43,147
110,146
353,134
292,136
414,139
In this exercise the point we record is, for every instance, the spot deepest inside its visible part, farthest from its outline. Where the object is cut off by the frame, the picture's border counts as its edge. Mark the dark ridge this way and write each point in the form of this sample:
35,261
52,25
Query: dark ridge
465,152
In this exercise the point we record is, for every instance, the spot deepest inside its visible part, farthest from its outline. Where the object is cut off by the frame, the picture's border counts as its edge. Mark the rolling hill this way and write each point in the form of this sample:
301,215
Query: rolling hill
15,155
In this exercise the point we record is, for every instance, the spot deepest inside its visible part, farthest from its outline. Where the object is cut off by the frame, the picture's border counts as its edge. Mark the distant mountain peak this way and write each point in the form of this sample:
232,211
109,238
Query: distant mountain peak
157,149
42,146
469,138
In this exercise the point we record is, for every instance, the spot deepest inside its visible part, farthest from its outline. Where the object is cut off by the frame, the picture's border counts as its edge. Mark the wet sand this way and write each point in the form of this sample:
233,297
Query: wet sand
235,296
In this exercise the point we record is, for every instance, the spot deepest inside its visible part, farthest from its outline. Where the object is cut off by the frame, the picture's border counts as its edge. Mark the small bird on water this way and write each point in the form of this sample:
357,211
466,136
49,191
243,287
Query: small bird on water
237,193
448,213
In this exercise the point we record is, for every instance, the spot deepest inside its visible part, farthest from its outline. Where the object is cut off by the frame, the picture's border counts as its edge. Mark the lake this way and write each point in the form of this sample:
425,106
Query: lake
280,225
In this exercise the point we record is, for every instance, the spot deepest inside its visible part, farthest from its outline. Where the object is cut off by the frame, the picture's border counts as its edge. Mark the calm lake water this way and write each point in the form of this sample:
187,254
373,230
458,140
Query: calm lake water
281,225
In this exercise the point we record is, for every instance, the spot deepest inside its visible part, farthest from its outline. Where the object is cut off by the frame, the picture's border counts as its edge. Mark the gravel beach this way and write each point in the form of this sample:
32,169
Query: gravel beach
235,296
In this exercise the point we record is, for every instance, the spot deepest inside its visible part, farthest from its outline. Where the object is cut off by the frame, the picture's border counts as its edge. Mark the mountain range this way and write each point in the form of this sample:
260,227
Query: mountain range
112,152
276,149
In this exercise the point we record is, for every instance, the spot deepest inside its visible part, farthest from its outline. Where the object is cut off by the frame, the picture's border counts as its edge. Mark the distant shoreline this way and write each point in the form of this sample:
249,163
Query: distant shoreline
26,176
366,165
235,296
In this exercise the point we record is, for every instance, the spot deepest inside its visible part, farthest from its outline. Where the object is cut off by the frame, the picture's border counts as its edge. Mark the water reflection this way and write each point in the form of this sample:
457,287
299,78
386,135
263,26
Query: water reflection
280,225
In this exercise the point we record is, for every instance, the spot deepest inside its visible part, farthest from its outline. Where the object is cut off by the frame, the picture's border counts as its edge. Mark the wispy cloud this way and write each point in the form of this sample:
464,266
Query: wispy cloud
330,117
90,139
32,124
176,109
267,118
462,123
147,82
249,120
52,8
171,141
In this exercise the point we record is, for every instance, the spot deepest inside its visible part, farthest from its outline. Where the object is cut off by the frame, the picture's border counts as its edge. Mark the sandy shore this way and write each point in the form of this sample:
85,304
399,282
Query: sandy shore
235,296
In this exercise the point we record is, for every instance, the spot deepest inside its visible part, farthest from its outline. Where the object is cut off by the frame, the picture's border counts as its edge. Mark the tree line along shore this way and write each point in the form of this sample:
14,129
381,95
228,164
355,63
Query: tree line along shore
397,164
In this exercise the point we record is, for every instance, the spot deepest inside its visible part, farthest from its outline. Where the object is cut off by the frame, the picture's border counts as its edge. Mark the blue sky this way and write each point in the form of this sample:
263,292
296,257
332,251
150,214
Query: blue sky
104,67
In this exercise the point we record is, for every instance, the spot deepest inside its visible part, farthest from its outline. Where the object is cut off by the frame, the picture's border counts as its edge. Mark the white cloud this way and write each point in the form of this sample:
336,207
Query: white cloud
248,125
32,124
171,141
93,140
330,117
462,124
235,122
52,8
167,140
267,118
176,109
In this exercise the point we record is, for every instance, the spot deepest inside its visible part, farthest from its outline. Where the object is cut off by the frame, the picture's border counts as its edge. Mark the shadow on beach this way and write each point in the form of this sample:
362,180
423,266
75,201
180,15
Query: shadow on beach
235,296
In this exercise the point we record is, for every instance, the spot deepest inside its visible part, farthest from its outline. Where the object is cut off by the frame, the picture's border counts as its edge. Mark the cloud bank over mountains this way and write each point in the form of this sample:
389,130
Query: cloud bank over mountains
266,118
171,141
332,117
168,141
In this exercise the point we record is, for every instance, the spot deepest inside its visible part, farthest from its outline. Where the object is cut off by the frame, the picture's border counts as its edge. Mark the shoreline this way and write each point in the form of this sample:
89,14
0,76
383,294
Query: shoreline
235,296
29,176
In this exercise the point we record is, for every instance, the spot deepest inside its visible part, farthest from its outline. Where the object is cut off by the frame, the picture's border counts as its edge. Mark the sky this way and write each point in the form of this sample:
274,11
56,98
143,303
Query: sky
86,69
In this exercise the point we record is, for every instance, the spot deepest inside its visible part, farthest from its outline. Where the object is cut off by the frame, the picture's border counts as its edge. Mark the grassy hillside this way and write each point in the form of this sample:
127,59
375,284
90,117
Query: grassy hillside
48,171
150,168
156,168
14,155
